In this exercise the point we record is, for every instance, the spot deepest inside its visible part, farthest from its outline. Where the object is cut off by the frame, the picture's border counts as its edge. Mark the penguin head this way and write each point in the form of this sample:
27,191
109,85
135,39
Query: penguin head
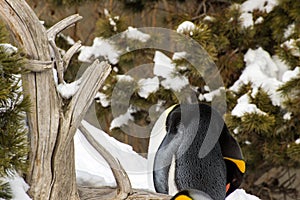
220,167
191,194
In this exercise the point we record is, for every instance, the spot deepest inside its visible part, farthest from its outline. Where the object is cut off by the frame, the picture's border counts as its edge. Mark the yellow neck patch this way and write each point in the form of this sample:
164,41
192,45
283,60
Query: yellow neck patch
183,197
239,163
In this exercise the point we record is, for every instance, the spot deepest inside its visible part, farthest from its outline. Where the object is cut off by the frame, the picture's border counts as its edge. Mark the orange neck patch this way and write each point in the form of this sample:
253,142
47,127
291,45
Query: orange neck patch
239,163
183,197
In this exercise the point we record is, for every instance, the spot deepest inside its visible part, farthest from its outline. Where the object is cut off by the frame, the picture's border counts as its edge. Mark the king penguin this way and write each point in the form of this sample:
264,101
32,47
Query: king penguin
197,153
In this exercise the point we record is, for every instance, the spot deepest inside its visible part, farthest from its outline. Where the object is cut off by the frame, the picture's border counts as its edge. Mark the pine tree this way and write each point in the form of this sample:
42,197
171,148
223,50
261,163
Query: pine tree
13,105
267,139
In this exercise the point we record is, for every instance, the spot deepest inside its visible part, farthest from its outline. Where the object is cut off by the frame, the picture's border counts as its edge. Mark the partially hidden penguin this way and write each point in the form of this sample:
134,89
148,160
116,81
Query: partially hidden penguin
195,154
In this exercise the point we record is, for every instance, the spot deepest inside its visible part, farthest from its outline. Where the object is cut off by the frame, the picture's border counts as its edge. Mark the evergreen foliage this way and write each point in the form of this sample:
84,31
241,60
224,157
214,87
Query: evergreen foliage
268,139
13,105
5,191
106,27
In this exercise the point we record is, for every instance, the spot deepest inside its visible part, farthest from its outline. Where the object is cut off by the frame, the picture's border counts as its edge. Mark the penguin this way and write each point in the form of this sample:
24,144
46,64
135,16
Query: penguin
190,130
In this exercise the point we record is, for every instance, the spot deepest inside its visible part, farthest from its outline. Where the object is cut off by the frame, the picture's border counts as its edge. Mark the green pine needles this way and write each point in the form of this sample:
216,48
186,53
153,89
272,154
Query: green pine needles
13,105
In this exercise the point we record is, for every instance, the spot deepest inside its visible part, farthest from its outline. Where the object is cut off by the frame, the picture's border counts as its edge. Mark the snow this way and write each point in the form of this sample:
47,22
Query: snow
18,187
243,106
164,67
287,116
100,48
289,30
67,90
9,48
179,55
290,74
209,18
264,6
122,119
125,78
148,86
134,34
259,20
105,48
186,27
211,94
92,169
262,71
102,99
112,20
291,45
249,6
241,194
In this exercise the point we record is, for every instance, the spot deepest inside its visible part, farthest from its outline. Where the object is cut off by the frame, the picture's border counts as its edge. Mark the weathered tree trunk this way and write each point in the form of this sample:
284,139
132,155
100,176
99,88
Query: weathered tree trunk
52,168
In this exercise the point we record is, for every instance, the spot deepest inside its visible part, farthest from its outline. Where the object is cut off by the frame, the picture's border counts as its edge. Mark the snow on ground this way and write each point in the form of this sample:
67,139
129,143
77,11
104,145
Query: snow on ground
92,169
241,194
18,187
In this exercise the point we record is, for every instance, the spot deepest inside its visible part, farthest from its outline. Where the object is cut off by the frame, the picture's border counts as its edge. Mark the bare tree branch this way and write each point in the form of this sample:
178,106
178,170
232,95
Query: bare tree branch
38,66
58,61
69,54
91,81
123,182
62,25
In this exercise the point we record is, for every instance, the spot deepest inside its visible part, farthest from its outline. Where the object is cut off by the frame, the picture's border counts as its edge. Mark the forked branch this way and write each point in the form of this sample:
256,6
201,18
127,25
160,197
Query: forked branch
122,180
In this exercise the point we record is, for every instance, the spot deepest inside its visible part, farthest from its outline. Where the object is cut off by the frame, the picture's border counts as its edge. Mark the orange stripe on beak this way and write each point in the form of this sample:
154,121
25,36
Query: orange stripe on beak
227,187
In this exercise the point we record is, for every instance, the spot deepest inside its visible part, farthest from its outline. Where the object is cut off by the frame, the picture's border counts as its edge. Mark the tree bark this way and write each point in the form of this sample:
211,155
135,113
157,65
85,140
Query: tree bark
51,172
